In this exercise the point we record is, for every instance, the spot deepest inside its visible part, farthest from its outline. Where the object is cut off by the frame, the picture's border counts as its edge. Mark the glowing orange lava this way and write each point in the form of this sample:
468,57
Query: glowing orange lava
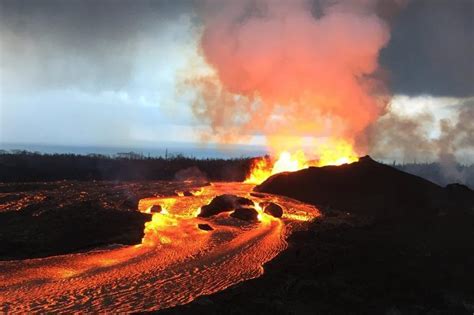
175,263
153,229
262,216
335,152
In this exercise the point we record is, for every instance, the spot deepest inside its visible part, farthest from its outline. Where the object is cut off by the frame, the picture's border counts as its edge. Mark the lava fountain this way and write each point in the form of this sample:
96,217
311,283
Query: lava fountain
307,80
337,153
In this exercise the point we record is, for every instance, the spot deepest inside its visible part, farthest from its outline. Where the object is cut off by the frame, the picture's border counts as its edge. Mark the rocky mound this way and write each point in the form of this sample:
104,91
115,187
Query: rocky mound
272,209
368,188
246,214
224,203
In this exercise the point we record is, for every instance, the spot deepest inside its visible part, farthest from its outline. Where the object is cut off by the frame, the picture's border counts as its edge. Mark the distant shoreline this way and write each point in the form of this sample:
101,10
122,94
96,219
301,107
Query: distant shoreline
166,149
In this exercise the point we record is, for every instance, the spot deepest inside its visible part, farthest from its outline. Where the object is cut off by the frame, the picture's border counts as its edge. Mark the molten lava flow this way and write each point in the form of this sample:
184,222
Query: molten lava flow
159,222
262,216
335,152
176,262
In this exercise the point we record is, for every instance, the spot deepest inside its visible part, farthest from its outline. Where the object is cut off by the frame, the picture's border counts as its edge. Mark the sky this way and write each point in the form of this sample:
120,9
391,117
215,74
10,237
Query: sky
110,72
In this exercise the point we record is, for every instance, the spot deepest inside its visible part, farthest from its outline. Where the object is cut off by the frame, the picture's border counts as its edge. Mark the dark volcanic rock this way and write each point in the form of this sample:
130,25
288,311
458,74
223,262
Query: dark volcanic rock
360,265
42,219
217,205
258,195
187,193
246,214
224,203
462,197
244,201
64,230
155,209
365,187
205,227
272,209
131,203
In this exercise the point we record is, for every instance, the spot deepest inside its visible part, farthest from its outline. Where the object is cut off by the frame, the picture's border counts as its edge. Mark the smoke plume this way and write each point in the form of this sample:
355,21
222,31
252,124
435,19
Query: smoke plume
411,140
290,70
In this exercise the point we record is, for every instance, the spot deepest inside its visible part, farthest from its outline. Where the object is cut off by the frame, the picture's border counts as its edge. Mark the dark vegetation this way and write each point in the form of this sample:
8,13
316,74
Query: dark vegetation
30,167
25,166
387,243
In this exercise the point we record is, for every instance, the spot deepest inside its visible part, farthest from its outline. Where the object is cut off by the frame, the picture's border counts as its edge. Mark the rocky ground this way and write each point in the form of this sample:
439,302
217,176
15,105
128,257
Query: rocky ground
348,265
387,242
43,219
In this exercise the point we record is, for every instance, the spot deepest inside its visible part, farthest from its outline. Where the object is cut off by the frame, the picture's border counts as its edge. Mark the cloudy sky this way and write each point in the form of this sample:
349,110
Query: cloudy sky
107,72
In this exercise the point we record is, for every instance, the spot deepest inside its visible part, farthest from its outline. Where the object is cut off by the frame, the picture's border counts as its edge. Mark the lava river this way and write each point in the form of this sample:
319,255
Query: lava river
175,263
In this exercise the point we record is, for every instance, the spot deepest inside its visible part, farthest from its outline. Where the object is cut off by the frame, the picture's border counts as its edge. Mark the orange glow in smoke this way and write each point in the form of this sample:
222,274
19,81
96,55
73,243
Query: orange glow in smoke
336,152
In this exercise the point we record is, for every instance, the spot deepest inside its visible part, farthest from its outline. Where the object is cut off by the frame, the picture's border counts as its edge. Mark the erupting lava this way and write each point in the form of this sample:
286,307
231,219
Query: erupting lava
336,153
279,70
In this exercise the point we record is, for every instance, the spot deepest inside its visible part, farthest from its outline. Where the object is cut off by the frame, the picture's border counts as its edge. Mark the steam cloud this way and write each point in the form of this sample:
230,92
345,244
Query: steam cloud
409,137
292,69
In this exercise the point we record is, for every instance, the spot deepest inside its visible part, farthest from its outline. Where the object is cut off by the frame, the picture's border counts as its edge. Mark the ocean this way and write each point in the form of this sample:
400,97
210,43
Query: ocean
162,150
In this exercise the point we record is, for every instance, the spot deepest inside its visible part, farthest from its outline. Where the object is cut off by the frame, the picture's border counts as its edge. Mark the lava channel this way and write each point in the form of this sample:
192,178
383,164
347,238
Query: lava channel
176,262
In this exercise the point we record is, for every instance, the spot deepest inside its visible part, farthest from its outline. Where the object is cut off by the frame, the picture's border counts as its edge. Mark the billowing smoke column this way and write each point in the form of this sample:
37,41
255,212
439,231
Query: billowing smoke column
292,71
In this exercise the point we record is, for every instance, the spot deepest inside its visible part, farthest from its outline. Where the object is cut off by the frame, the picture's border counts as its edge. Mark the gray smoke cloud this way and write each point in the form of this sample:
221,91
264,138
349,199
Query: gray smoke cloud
411,139
456,136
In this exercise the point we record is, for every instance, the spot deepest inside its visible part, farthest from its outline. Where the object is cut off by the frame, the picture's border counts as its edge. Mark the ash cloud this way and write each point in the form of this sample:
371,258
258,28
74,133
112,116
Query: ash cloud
454,137
410,139
297,68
